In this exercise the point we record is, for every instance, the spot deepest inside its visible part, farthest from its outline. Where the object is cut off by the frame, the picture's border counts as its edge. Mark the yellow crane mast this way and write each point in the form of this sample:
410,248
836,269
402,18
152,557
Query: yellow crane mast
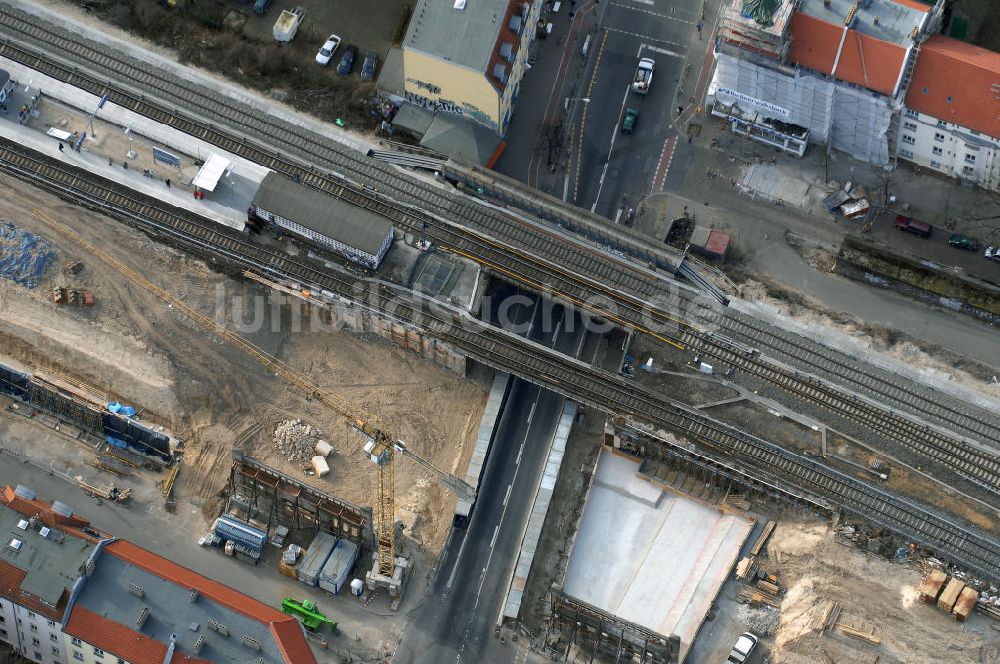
381,446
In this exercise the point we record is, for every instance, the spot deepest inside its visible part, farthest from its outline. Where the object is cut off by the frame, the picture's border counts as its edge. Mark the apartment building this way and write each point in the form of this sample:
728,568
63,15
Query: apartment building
467,57
951,119
70,593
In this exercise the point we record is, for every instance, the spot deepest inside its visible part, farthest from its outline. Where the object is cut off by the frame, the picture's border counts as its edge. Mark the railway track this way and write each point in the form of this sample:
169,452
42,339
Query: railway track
551,263
511,353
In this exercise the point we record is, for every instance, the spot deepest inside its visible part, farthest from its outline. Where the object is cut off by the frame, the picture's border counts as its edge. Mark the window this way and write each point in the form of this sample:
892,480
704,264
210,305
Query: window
911,113
55,651
34,627
31,614
942,123
970,158
98,652
121,661
36,642
939,137
53,638
3,633
937,151
968,170
77,642
935,164
2,619
906,154
950,99
912,126
52,623
38,656
78,655
908,139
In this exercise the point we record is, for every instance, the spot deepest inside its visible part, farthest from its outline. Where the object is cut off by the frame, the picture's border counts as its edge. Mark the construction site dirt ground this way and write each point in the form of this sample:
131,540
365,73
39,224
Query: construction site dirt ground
815,569
134,346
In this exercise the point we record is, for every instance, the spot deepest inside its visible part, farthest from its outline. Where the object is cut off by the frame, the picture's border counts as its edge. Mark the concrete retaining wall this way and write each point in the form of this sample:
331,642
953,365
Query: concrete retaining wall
865,261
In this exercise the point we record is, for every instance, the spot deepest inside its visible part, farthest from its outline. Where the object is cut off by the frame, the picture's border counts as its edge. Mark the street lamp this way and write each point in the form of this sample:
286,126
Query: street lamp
585,100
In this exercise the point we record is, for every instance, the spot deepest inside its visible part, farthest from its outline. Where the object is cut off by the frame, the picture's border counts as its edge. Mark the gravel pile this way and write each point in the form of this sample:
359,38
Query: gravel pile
762,621
296,440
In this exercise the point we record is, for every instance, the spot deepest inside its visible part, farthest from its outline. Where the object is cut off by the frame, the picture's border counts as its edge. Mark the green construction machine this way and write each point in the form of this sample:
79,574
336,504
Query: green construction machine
307,612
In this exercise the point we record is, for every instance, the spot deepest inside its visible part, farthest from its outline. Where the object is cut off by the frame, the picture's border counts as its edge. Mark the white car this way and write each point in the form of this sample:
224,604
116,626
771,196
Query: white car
329,48
992,254
745,645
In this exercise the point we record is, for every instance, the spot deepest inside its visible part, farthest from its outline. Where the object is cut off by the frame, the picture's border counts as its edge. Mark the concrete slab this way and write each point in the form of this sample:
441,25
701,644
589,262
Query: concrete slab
648,556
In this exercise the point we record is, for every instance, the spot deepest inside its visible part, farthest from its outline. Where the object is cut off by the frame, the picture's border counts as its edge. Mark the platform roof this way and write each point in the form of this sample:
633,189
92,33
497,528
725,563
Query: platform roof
210,172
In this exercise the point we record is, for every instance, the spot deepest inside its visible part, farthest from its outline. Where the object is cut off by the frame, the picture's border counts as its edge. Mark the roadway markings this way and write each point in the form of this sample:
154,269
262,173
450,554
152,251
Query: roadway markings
657,49
506,497
583,120
643,37
668,17
663,166
607,160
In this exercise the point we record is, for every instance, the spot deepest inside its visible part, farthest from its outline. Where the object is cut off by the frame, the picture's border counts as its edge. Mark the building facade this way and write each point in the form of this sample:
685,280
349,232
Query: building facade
467,57
72,594
951,120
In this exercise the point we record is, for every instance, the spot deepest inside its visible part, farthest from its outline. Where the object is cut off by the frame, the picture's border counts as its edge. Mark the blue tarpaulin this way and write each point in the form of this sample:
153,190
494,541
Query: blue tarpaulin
121,409
114,442
24,256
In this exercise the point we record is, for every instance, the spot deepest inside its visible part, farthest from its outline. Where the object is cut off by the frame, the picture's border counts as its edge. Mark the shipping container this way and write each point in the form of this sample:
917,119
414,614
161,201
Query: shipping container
316,556
338,567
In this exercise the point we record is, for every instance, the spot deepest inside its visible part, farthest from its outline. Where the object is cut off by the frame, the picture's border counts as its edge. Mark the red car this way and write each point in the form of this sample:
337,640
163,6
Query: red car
912,225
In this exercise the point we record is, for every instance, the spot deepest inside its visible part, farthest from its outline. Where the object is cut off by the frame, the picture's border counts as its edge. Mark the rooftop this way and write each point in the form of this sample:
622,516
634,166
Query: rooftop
329,216
888,20
37,558
129,581
957,82
466,36
629,528
856,57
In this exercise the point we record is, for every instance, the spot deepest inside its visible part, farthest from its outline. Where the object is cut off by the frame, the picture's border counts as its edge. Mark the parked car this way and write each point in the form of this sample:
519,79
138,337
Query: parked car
960,241
347,60
745,645
992,254
630,120
328,49
911,225
260,7
369,66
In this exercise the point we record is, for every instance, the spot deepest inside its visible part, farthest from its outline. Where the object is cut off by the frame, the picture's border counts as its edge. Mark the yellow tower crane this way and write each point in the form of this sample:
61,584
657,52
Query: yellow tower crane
380,445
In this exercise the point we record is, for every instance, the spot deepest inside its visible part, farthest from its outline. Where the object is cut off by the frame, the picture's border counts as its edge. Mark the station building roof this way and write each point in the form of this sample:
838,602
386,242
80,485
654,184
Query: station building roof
330,217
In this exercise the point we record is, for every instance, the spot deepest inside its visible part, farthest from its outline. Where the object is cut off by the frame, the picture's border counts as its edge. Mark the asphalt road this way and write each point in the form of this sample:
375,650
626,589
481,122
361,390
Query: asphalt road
607,166
458,622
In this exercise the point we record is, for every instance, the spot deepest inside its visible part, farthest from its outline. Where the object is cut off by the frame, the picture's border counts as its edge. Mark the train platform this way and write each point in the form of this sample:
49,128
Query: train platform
125,147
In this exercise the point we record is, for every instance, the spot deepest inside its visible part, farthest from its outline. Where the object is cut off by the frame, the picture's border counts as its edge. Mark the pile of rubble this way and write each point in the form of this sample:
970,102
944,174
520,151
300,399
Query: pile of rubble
296,440
762,620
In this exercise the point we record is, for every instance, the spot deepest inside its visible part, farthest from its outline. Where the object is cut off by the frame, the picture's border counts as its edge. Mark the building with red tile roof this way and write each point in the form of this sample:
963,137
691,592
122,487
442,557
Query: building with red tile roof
951,122
86,595
959,83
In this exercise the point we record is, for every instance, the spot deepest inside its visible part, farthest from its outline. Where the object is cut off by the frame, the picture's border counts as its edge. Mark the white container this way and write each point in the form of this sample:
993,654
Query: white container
320,466
357,587
338,566
323,448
